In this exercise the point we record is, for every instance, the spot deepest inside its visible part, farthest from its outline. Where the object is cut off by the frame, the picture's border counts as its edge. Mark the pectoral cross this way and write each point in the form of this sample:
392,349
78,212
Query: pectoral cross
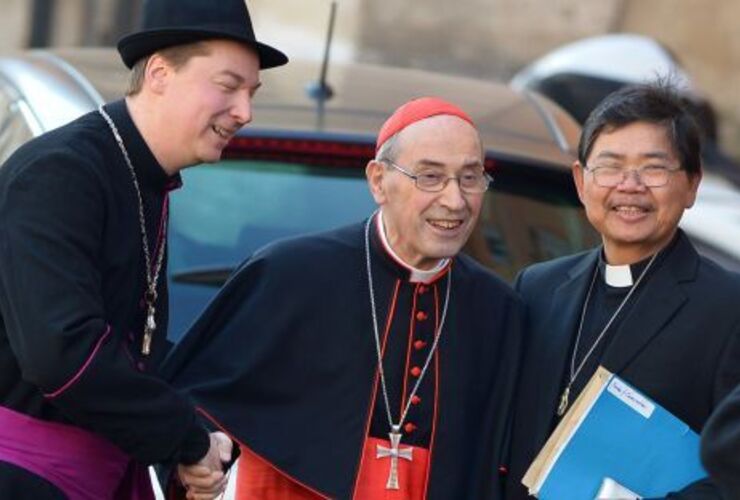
149,327
564,401
394,452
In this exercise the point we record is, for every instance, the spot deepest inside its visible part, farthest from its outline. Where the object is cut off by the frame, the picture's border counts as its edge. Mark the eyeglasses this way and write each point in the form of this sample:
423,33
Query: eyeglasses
434,182
648,176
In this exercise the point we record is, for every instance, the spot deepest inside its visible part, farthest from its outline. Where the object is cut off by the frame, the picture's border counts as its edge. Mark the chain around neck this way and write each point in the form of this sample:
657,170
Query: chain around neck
152,272
575,371
378,348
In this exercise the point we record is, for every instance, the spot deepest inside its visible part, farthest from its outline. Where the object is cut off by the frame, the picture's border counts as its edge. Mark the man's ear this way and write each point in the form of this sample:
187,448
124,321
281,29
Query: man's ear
694,181
577,172
375,173
157,73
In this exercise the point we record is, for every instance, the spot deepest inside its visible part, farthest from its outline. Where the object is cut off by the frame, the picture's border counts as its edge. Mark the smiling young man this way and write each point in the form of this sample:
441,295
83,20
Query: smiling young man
373,361
83,295
645,305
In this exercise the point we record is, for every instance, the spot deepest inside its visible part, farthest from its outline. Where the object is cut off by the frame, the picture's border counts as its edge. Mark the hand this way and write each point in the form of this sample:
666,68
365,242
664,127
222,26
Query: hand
205,480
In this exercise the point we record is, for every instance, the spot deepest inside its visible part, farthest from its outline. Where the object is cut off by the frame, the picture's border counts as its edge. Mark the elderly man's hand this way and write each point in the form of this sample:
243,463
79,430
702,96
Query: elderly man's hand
206,480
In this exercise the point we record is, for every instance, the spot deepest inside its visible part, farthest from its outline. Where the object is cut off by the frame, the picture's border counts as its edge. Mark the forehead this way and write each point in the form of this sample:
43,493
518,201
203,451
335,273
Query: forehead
226,56
637,139
440,137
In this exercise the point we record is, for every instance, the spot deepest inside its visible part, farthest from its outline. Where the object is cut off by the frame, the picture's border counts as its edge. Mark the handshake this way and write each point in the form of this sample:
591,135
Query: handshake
206,480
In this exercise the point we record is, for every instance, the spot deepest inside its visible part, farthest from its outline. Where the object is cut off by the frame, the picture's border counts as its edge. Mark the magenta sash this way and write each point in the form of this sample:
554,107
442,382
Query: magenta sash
81,464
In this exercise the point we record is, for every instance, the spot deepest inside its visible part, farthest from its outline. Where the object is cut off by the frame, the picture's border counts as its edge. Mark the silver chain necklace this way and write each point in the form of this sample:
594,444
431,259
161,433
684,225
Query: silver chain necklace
152,275
395,452
564,398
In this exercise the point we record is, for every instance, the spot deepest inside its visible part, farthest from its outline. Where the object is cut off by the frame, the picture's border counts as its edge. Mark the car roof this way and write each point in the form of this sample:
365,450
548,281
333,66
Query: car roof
520,125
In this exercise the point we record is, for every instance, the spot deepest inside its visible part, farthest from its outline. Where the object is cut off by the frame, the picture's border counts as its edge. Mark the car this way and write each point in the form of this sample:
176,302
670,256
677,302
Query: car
299,166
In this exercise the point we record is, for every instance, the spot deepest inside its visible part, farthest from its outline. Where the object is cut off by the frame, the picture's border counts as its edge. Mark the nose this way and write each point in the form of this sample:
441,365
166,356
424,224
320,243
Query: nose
452,196
241,108
631,181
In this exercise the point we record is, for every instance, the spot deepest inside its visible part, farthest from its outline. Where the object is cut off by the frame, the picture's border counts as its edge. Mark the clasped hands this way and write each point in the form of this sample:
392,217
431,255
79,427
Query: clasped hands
206,480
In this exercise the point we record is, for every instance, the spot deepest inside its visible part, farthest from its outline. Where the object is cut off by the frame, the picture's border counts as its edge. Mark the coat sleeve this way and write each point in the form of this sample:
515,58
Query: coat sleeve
52,217
720,444
242,326
727,377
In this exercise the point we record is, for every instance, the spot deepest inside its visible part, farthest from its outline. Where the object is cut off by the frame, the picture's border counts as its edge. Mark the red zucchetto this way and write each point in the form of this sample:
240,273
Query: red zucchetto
417,110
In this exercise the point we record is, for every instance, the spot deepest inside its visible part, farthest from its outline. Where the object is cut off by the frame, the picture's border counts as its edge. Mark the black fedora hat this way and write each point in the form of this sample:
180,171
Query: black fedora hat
175,22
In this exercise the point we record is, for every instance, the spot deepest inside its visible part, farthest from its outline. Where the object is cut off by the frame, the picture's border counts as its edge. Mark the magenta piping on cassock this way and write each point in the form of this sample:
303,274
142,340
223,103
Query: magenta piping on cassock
84,366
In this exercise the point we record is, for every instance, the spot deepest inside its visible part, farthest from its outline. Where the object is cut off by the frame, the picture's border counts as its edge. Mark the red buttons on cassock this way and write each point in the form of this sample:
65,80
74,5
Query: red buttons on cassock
422,289
421,316
409,428
415,371
415,400
419,345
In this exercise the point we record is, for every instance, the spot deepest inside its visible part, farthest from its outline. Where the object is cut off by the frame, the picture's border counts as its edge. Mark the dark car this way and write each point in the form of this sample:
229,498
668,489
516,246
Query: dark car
299,167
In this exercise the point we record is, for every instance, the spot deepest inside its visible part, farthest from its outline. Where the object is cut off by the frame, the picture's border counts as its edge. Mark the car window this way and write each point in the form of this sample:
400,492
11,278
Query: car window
520,228
227,211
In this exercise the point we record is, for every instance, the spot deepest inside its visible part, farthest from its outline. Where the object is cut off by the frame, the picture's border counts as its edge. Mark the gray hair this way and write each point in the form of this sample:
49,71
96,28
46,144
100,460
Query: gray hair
388,151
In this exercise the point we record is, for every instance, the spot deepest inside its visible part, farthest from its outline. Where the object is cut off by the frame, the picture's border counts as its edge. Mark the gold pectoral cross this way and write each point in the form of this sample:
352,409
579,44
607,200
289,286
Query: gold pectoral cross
394,452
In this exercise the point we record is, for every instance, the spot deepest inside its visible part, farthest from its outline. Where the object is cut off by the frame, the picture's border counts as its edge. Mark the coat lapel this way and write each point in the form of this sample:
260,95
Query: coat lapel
659,300
558,331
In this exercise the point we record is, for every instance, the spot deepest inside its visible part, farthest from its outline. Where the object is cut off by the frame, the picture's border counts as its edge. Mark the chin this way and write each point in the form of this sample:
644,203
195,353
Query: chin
210,158
443,251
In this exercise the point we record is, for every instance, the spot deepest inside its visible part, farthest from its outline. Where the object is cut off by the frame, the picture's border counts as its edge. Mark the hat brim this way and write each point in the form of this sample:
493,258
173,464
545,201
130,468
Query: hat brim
144,43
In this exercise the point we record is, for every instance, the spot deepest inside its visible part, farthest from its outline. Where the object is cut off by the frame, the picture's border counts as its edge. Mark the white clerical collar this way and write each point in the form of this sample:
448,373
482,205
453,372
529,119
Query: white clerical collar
618,276
416,275
621,276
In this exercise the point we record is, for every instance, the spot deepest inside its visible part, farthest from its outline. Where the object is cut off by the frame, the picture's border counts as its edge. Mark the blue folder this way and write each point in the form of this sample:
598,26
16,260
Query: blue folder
629,438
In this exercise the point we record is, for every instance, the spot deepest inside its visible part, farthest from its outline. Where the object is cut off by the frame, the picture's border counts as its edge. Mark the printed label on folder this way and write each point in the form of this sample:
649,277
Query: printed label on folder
631,397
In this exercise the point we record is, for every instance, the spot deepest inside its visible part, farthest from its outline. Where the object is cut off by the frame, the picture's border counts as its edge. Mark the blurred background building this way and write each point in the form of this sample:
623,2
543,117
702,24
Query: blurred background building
490,39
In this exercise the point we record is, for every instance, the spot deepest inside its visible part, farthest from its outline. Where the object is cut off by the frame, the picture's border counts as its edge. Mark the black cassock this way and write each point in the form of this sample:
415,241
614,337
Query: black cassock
72,280
284,359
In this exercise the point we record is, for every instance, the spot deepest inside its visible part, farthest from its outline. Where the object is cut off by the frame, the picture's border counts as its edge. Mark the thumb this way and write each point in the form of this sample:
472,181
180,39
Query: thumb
224,445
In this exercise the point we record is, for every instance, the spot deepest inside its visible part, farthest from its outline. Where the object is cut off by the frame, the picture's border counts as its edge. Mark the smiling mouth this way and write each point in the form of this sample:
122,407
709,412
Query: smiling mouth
445,224
222,132
630,209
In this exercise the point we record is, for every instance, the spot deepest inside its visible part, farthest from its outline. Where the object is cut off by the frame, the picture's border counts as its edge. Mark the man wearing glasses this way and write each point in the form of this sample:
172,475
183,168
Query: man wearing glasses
644,305
372,361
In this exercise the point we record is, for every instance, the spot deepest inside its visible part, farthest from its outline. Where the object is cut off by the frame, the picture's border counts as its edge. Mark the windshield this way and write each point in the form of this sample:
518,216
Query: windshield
227,211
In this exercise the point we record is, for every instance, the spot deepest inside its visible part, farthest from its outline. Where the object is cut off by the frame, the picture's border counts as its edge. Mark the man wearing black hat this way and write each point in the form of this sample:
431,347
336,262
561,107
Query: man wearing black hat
83,299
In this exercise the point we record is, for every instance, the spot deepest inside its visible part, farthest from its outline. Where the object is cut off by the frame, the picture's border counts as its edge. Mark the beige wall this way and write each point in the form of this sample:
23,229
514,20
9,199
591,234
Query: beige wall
13,25
486,38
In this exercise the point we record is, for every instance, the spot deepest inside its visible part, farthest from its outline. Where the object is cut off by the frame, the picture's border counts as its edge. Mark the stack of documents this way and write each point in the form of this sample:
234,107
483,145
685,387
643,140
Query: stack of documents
614,437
